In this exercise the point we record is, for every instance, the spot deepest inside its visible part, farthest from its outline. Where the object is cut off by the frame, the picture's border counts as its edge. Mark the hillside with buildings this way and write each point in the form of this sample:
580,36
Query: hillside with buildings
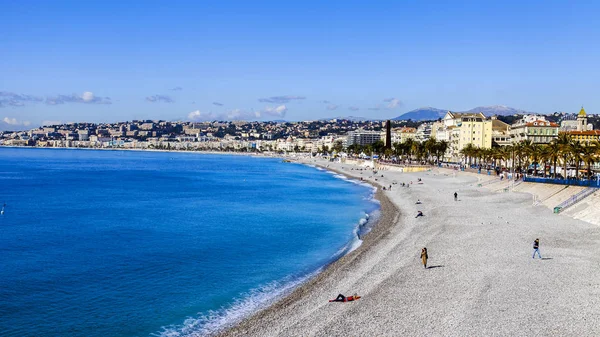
457,130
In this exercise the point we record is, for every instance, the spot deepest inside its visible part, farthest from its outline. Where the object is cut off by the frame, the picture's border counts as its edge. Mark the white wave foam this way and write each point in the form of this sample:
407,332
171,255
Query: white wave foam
257,299
217,320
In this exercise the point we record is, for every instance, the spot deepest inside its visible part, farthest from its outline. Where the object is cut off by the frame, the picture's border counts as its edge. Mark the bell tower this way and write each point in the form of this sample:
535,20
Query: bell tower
582,120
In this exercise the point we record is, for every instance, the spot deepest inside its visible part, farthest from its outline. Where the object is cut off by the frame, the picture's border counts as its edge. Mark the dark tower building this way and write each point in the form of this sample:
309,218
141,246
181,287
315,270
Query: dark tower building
388,135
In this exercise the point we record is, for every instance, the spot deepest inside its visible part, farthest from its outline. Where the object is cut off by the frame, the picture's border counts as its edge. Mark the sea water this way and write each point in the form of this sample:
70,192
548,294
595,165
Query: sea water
122,243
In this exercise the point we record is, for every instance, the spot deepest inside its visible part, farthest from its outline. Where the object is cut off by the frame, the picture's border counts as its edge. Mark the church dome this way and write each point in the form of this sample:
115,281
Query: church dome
582,112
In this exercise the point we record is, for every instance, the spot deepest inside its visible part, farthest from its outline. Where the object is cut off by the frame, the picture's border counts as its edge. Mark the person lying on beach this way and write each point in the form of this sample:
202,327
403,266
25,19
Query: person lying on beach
419,214
342,298
418,202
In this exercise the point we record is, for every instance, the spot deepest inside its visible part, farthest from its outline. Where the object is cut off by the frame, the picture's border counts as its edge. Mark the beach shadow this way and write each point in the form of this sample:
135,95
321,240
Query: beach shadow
546,258
431,267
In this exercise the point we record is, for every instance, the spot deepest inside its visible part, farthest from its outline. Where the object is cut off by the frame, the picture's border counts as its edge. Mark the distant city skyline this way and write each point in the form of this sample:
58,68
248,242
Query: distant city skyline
232,60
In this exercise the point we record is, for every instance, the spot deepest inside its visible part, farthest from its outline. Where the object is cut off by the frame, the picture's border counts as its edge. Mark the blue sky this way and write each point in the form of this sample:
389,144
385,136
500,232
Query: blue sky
175,60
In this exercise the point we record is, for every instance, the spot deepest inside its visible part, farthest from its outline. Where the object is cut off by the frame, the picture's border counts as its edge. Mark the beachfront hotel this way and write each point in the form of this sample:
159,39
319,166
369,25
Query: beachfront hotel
534,128
462,129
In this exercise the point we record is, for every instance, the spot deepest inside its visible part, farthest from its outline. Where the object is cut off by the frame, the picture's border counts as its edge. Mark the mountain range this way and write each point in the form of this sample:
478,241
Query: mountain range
429,113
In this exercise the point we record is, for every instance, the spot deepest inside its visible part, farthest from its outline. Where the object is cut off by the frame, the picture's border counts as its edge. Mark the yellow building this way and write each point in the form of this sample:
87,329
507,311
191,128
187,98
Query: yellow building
465,129
583,133
400,135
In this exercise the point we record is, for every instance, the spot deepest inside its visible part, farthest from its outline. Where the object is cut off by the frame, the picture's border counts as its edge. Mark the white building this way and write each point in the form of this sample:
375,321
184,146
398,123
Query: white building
362,137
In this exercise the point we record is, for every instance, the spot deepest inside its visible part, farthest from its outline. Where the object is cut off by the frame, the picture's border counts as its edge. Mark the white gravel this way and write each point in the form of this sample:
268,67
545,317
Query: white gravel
482,279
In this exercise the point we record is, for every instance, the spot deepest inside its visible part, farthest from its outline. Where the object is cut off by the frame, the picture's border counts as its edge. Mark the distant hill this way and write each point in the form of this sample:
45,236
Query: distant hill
421,114
430,113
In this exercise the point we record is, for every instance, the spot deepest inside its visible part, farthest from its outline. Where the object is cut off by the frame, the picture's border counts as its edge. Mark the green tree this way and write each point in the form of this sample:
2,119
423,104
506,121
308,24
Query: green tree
378,147
576,150
440,149
338,146
564,141
554,149
589,155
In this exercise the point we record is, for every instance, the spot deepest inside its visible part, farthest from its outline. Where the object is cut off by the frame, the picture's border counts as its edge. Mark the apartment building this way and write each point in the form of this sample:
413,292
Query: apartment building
534,128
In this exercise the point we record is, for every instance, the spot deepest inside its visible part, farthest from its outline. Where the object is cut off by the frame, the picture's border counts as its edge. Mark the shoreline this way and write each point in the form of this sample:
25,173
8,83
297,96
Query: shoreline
480,278
377,229
233,153
389,214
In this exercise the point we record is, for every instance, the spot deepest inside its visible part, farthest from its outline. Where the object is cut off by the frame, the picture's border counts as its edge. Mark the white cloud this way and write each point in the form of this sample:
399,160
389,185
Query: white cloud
11,121
278,111
14,121
393,102
238,114
332,106
87,96
202,116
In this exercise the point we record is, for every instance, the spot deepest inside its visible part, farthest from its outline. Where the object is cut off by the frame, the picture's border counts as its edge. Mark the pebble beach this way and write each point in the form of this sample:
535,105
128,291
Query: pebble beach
481,278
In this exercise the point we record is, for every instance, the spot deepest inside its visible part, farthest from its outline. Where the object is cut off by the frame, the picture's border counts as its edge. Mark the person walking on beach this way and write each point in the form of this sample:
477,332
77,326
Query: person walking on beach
455,196
536,248
424,257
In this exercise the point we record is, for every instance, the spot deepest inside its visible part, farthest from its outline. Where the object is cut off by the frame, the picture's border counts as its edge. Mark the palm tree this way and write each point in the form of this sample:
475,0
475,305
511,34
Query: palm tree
497,154
544,156
576,150
534,152
337,146
468,151
430,145
563,141
508,154
440,149
519,152
589,156
553,149
398,149
378,147
408,147
527,151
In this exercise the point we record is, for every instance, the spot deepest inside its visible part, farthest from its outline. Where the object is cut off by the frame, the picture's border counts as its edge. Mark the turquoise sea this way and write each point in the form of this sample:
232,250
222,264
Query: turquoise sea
120,243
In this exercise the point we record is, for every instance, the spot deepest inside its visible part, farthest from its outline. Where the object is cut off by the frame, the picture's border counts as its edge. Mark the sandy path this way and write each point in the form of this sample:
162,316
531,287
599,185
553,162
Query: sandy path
482,279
